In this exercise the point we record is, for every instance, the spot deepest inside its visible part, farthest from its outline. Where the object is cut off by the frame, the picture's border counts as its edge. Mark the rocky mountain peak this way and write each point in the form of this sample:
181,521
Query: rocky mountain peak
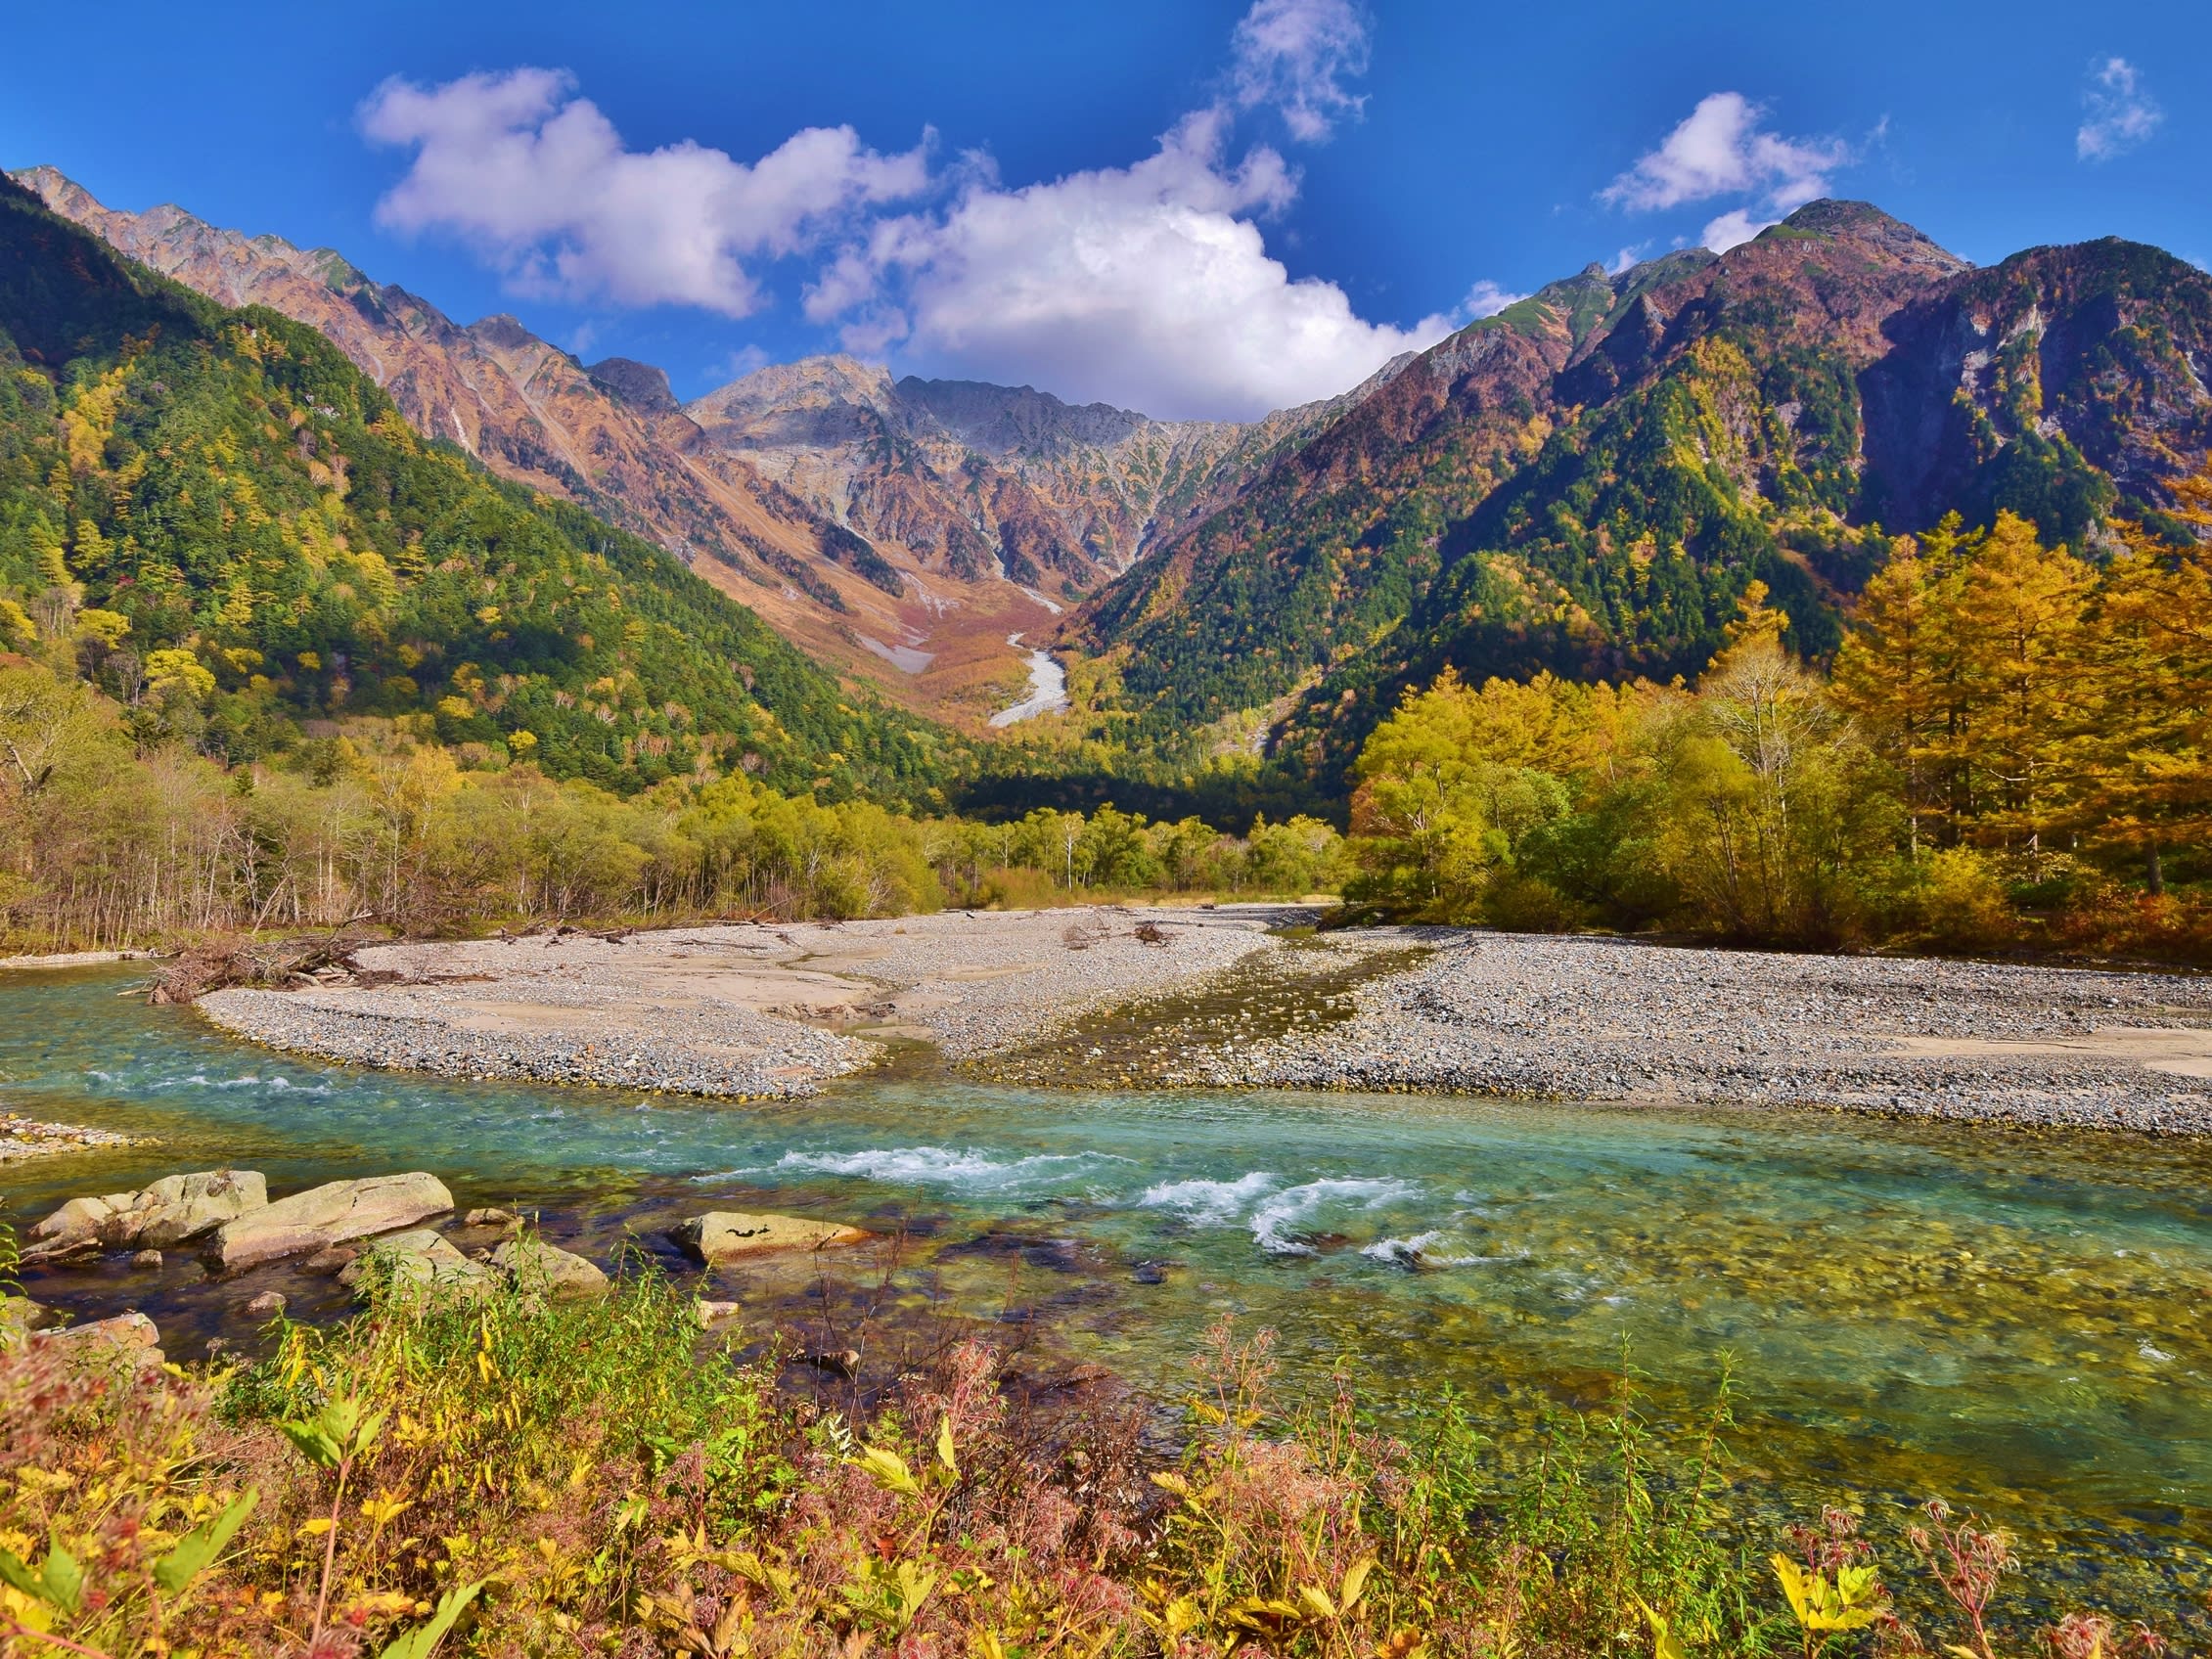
641,386
504,331
1015,420
1864,222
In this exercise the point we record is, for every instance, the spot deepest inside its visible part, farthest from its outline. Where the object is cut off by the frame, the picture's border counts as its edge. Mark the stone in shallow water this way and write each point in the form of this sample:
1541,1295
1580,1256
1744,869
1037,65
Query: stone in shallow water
128,1341
420,1259
266,1306
327,1215
146,1260
174,1209
727,1236
532,1265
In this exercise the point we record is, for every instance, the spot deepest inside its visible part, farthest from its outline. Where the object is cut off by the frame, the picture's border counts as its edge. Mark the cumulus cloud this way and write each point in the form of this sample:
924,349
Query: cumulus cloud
1486,299
1297,55
2119,114
540,182
1148,286
1724,148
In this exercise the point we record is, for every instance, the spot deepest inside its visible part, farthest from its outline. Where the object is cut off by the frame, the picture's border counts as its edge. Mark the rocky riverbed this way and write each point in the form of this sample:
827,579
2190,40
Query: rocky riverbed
24,1138
1230,998
747,1011
1613,1020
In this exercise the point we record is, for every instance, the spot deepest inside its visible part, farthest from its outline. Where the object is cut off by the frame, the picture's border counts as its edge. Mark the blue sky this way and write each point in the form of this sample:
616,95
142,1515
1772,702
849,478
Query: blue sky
1196,208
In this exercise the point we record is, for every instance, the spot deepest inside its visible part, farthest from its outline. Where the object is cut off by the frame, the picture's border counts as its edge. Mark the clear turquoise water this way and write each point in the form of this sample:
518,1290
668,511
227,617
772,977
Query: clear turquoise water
2014,1320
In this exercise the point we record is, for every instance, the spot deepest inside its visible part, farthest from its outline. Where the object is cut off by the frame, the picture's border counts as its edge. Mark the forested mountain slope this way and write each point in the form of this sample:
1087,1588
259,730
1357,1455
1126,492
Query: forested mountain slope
1588,480
243,538
892,529
607,436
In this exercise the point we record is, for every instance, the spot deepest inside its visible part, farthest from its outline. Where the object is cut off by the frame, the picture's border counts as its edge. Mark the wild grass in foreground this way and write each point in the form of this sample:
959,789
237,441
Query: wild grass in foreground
500,1477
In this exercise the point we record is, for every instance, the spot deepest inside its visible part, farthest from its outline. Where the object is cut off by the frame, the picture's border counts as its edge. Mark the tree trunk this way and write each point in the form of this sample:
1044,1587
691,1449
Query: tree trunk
2154,870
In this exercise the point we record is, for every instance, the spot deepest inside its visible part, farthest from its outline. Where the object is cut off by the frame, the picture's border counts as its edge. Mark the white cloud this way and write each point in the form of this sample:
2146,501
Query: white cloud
1297,55
1486,299
1719,149
1733,228
745,360
1626,259
1723,148
540,182
2121,114
1148,286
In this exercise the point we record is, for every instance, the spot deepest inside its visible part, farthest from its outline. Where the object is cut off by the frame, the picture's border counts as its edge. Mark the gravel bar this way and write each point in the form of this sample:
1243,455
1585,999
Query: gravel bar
750,1011
1613,1019
23,1139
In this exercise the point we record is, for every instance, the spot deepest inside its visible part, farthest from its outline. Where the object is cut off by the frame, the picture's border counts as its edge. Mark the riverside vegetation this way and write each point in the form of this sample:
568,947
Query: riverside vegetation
2010,751
497,1475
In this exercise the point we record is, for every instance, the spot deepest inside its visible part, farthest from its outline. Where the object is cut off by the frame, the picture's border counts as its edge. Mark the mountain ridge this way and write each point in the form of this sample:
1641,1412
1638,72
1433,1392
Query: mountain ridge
1588,481
228,526
914,526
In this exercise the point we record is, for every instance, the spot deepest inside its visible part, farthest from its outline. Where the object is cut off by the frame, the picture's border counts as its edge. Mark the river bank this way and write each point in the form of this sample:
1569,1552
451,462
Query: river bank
1227,999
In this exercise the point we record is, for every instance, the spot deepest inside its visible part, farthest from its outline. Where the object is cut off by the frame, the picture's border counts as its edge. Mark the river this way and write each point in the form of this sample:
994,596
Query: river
2013,1321
1048,687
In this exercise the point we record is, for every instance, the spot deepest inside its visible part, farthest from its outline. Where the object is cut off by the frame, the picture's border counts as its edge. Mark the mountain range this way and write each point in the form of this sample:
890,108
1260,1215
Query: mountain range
896,529
221,521
1586,482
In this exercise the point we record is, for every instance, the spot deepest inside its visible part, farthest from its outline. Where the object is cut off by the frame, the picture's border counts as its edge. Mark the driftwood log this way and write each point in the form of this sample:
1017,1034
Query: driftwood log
268,964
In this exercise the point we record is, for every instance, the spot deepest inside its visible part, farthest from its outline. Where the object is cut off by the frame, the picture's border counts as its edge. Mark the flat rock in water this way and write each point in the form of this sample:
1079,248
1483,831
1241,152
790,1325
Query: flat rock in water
533,1265
491,1218
327,1215
174,1209
266,1306
727,1236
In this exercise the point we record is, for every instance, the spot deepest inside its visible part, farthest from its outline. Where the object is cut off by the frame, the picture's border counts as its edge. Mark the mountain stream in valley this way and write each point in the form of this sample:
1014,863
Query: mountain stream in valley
2011,1320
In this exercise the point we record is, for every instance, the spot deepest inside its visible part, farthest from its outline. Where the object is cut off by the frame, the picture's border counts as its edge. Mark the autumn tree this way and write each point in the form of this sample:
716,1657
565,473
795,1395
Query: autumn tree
2149,756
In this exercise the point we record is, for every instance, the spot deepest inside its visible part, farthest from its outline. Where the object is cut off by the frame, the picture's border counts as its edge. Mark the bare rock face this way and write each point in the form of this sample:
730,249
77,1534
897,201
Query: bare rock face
534,1266
174,1209
727,1236
325,1216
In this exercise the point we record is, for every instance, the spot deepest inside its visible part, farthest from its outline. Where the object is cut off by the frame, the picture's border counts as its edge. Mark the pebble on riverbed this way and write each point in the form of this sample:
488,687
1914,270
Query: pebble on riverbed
24,1138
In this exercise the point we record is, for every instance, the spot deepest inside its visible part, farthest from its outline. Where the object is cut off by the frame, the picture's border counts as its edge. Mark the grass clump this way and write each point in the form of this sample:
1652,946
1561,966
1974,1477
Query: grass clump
489,1475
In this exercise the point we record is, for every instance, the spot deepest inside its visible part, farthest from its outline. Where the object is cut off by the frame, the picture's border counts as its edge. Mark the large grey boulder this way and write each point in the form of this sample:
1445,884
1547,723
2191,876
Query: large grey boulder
174,1209
327,1215
416,1261
536,1268
728,1236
